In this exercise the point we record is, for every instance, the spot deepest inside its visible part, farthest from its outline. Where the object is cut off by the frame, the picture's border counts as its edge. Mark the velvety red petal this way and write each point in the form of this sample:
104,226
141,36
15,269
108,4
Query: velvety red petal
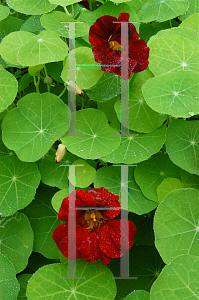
60,236
110,238
103,198
123,17
101,30
105,56
83,199
139,52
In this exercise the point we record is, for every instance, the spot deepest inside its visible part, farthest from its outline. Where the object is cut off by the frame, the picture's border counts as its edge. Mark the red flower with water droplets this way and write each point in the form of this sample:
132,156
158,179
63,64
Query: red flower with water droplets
97,235
105,36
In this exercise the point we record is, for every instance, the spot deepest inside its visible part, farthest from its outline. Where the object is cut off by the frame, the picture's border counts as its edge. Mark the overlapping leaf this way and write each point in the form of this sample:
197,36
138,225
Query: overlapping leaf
32,127
31,7
168,185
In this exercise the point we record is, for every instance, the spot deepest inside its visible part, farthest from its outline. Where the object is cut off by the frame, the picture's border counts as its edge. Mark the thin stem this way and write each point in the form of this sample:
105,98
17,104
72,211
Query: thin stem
46,73
82,103
66,10
72,11
170,23
36,83
90,5
65,88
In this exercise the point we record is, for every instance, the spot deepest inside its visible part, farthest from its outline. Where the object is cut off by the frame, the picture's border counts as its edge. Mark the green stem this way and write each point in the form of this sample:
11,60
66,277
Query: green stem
90,5
65,88
82,103
170,23
46,73
36,83
66,10
72,11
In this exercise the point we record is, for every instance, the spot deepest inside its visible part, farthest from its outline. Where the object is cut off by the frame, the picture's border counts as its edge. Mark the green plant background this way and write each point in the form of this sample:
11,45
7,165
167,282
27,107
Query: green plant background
162,151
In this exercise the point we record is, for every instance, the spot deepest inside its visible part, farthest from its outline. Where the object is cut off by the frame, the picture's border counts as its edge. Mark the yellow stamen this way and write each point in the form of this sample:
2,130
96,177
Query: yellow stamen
114,44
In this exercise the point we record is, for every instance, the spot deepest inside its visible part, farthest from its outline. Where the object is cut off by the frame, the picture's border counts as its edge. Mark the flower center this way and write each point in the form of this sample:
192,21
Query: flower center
114,44
92,218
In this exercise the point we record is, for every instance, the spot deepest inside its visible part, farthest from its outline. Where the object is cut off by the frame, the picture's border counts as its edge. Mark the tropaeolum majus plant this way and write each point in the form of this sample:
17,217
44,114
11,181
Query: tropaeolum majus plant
156,165
97,235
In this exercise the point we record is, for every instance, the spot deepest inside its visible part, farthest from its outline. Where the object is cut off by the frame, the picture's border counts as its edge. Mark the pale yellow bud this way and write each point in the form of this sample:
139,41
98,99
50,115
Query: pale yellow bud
61,152
72,87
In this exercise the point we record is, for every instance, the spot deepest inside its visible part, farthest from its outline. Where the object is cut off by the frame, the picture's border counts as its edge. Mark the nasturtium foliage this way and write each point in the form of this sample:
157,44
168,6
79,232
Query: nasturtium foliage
98,280
19,181
176,224
155,164
8,283
36,123
177,280
16,240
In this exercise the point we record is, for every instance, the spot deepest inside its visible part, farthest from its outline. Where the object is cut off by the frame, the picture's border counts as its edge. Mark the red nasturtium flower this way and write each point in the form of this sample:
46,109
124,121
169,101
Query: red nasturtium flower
97,235
105,36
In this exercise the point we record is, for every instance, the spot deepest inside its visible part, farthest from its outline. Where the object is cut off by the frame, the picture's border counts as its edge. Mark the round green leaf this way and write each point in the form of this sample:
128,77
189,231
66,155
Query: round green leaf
168,185
53,21
108,109
9,285
8,25
192,9
9,86
32,127
178,280
182,144
138,295
84,175
4,12
141,117
86,76
162,10
23,280
175,93
191,22
186,33
149,174
58,198
189,180
42,48
18,181
138,147
98,138
176,224
169,54
56,174
11,44
32,24
43,220
63,2
110,178
50,281
31,7
16,240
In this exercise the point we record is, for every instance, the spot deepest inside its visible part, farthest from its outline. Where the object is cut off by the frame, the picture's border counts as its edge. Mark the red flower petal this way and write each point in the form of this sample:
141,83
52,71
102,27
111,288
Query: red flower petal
110,238
103,198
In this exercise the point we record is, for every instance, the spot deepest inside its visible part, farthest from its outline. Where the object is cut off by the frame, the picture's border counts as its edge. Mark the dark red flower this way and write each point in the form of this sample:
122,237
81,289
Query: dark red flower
97,235
105,36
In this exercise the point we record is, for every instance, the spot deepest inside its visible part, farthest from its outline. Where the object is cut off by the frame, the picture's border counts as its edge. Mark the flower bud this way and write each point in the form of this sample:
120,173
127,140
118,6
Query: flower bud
61,152
48,80
72,87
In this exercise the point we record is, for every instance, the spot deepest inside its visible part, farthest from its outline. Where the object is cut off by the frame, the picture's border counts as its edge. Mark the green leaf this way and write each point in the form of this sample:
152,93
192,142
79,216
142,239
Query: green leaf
18,181
182,144
149,174
189,180
191,22
43,220
169,54
53,21
141,117
56,174
4,12
8,25
23,280
46,282
42,48
192,9
176,224
87,71
32,24
63,2
178,280
98,137
138,295
31,7
9,285
138,147
136,4
186,33
110,178
11,44
84,175
175,93
16,240
35,125
162,10
168,185
58,198
9,86
108,109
